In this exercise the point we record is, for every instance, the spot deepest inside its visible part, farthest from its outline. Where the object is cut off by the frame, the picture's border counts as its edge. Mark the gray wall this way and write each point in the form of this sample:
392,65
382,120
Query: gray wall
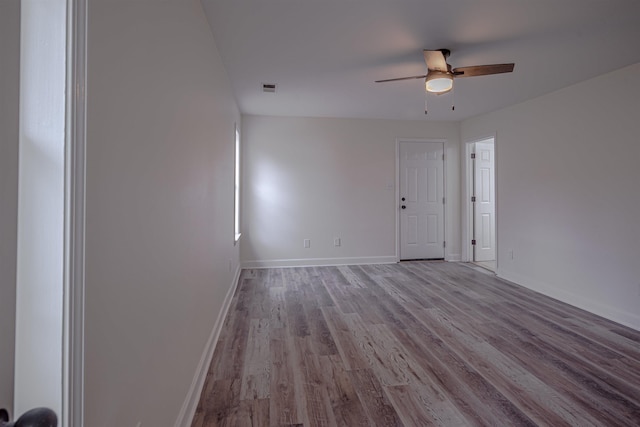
9,110
567,193
300,173
160,253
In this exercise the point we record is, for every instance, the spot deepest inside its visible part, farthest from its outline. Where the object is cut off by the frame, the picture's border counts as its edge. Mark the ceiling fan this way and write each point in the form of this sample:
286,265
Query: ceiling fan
440,75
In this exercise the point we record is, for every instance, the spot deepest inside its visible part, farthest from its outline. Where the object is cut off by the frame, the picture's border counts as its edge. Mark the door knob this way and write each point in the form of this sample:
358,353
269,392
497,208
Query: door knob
38,417
404,207
403,199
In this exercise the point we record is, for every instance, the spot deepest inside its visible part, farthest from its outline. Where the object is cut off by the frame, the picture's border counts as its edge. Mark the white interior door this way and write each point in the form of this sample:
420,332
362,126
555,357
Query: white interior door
421,200
484,206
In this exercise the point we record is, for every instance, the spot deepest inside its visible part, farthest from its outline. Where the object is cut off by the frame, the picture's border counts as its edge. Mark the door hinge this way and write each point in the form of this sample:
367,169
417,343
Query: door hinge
443,200
443,156
473,199
473,242
473,155
444,243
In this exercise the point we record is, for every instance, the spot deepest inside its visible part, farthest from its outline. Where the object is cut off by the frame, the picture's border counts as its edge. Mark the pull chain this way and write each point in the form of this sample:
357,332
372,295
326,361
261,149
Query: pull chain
426,96
453,99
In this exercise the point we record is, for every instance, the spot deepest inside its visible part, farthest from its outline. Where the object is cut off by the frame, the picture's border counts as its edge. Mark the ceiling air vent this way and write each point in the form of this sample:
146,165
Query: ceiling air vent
269,87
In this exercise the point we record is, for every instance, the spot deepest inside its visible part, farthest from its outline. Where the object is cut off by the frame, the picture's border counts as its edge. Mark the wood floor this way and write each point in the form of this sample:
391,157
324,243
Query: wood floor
414,344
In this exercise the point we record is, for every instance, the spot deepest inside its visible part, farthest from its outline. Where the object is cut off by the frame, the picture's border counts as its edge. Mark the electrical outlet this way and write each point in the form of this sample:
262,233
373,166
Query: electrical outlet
307,243
336,241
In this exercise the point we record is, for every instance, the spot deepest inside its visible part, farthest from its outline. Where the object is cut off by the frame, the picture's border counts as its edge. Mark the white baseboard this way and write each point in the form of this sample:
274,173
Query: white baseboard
453,258
188,410
318,262
631,320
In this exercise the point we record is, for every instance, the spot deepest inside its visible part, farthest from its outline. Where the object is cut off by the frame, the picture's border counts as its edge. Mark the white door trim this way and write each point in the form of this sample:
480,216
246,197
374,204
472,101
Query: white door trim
75,180
467,191
396,200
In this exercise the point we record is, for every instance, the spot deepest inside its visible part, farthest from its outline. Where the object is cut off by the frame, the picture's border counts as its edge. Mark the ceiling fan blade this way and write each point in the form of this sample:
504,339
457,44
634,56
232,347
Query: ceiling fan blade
401,78
436,59
482,70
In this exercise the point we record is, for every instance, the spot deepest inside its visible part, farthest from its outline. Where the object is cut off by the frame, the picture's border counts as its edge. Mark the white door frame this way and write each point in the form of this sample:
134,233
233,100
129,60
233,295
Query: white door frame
467,192
66,389
396,200
75,171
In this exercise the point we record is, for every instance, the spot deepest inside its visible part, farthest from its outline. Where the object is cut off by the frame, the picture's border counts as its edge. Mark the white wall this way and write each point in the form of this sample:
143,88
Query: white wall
39,270
320,178
568,193
160,254
9,112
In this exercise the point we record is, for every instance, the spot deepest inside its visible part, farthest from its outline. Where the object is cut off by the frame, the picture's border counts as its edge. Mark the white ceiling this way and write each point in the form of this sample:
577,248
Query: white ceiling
324,55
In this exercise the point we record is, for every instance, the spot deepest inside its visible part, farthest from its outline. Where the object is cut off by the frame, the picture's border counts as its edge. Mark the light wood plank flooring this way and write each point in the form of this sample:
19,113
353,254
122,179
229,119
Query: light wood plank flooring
414,344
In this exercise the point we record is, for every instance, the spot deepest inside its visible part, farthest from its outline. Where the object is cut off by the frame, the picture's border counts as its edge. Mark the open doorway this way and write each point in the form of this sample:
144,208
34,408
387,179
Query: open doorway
481,210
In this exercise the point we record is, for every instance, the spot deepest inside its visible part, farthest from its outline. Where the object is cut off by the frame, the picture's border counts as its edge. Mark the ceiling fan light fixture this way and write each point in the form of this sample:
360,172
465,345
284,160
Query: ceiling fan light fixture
439,82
